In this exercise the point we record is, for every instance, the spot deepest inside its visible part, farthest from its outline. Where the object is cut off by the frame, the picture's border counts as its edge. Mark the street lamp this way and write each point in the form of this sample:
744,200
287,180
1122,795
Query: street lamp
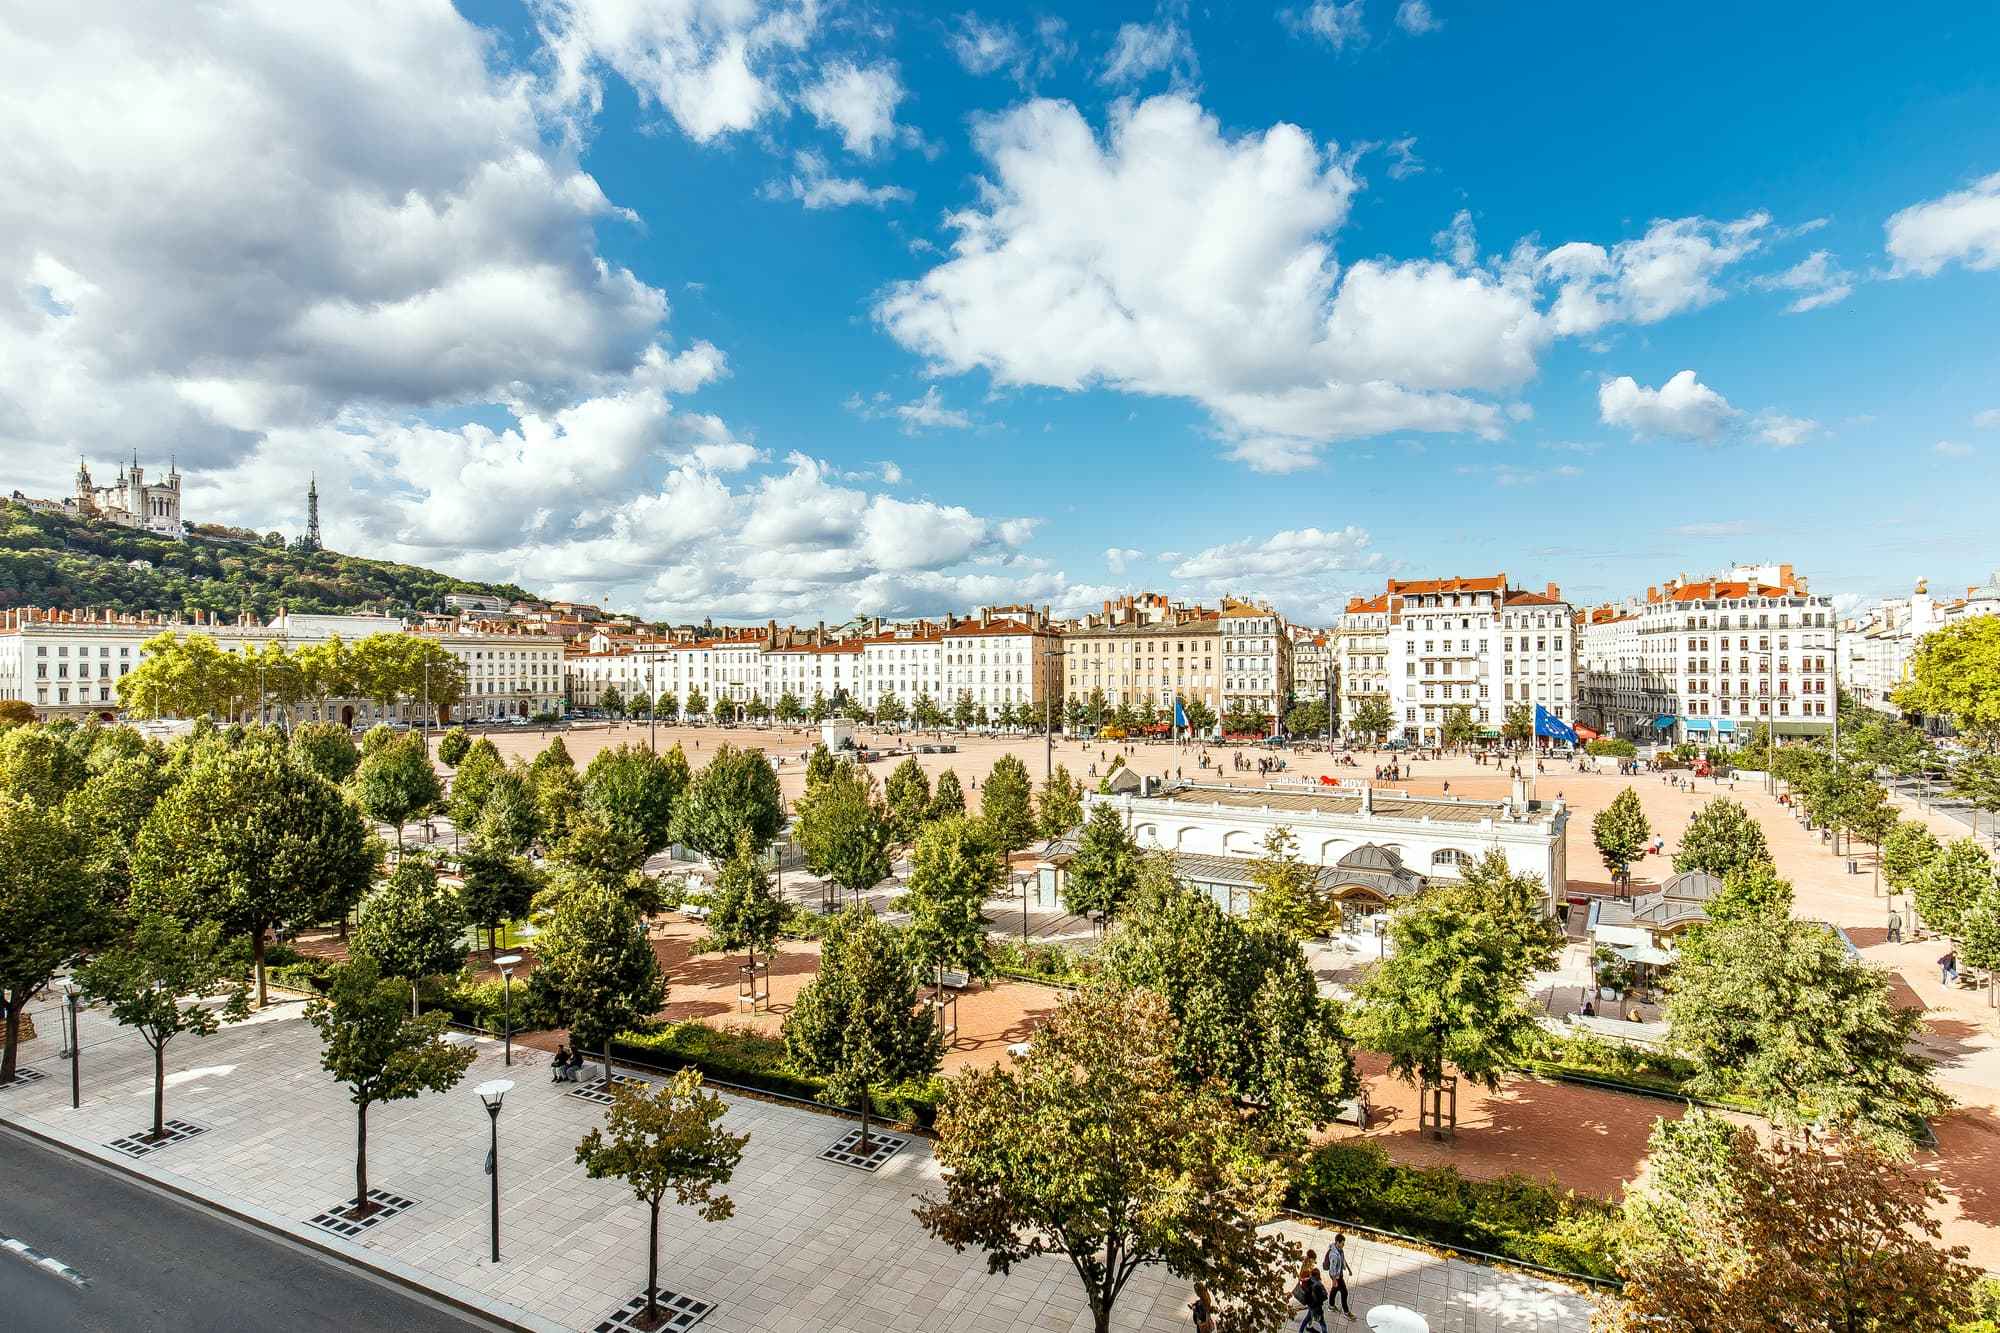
1049,719
507,963
491,1094
72,995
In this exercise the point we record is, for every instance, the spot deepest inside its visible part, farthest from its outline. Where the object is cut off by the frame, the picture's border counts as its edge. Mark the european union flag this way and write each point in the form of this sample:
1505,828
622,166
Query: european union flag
1549,725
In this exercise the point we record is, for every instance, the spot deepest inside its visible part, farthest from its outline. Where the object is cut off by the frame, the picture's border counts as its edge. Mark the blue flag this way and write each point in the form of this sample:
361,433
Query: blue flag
1549,725
1180,715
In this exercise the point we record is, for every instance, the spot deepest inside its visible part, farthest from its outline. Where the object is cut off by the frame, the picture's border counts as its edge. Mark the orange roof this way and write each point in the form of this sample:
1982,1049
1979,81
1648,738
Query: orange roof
972,629
1363,605
1702,592
1531,599
1405,587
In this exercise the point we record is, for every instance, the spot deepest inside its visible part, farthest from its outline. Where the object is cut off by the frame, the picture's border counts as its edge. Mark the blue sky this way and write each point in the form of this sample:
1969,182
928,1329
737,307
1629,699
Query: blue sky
800,309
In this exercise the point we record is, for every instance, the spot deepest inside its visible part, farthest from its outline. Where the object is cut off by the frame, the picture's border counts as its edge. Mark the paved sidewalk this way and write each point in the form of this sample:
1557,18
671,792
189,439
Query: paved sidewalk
813,1246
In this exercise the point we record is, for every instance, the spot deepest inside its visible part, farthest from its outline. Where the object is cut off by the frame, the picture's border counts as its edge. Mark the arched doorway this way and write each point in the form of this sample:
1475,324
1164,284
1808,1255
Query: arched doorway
347,715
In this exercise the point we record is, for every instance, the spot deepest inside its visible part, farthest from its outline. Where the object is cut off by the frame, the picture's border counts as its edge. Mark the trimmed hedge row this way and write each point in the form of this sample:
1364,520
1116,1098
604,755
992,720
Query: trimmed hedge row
752,1059
1053,963
476,1004
1511,1216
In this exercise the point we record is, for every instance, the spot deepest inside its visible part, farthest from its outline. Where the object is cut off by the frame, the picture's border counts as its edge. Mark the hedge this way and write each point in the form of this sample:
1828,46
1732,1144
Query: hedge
1610,747
1053,963
752,1059
1511,1216
476,1004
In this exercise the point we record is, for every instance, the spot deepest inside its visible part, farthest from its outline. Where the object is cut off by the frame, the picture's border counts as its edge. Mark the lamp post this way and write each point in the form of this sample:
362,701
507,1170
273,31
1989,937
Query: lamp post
72,995
1049,719
507,963
491,1094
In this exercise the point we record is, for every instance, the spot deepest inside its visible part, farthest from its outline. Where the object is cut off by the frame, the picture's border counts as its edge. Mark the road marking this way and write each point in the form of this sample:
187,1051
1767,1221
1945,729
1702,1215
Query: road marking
44,1262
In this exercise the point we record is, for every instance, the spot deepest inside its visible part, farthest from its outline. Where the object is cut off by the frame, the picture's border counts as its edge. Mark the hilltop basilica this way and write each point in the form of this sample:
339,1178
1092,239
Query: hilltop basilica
129,502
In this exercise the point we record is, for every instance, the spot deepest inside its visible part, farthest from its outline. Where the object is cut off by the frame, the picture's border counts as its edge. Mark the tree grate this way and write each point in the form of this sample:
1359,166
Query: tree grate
142,1142
23,1074
881,1147
679,1312
336,1219
597,1092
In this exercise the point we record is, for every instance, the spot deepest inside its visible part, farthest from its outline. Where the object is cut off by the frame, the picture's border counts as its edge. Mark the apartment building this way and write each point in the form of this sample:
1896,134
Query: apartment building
1315,667
1256,659
1364,656
1480,644
1715,655
1001,660
1876,649
1618,694
1145,649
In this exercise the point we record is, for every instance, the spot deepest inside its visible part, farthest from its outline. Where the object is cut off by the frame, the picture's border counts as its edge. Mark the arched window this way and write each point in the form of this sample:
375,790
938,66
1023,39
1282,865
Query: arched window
1450,856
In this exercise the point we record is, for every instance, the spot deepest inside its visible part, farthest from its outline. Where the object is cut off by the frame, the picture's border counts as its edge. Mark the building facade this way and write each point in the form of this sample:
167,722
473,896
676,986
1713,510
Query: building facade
130,501
1256,659
1478,644
1364,657
1145,650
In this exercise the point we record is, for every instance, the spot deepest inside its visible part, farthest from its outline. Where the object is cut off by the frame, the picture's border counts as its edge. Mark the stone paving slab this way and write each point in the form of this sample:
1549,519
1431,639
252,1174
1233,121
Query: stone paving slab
813,1245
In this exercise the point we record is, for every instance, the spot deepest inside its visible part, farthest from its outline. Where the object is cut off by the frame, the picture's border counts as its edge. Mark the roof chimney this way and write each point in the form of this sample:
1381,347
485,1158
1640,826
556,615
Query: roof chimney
1554,593
985,616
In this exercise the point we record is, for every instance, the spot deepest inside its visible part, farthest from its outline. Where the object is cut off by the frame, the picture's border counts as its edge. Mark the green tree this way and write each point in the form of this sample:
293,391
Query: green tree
1519,725
962,710
1951,883
736,790
594,846
1979,934
1460,729
947,797
252,838
844,831
327,749
1289,899
1373,719
49,913
695,705
757,710
954,869
1621,832
1907,852
1780,1012
413,926
1307,719
1092,1148
909,800
1200,717
743,912
819,710
668,706
1721,836
820,764
1453,989
182,676
397,783
558,795
500,886
452,746
380,1052
158,982
856,1024
1976,779
1955,673
636,791
1725,1233
924,711
790,710
1751,891
889,709
110,808
1059,807
611,701
43,764
662,1140
1007,803
1246,1004
509,820
1104,870
595,970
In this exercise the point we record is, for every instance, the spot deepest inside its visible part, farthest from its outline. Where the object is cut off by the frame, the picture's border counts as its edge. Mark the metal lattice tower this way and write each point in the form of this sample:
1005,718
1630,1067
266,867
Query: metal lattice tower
312,513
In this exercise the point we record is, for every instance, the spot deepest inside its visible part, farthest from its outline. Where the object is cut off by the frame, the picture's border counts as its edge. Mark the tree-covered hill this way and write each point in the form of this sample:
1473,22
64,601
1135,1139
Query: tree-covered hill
49,560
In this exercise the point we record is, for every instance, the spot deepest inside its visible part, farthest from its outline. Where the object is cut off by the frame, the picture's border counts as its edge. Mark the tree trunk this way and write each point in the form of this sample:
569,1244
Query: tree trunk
159,1090
413,999
361,1160
257,955
653,1265
864,1119
9,1056
607,1062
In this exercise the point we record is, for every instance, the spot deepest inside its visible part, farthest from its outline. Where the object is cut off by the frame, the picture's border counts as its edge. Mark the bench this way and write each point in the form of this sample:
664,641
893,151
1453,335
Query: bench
1353,1110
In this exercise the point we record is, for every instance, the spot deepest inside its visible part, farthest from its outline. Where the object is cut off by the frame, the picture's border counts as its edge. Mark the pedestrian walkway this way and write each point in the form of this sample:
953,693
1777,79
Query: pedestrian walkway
812,1246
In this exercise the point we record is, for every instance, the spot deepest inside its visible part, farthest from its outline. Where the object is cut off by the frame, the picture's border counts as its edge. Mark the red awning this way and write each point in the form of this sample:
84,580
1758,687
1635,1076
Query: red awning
1586,734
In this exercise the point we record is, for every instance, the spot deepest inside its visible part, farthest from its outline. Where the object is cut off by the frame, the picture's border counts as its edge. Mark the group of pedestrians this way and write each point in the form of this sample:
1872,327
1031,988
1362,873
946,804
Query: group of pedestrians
1314,1294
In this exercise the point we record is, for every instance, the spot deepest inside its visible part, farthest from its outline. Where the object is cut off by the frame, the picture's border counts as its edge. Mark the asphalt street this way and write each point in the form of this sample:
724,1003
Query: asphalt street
157,1265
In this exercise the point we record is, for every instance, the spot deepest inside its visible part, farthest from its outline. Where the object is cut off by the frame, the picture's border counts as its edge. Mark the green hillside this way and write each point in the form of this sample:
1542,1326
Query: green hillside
48,560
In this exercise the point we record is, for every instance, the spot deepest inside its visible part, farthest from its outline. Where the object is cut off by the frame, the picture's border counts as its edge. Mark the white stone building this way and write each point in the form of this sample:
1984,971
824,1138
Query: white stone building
1876,649
1001,661
1348,829
1256,659
1477,644
1364,656
129,502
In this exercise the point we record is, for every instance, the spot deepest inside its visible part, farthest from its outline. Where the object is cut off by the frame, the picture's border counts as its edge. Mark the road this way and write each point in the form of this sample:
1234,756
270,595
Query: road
157,1265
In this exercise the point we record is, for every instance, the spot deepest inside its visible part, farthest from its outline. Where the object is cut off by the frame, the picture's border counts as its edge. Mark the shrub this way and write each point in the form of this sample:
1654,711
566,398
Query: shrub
749,1058
1610,747
1052,963
281,955
1512,1216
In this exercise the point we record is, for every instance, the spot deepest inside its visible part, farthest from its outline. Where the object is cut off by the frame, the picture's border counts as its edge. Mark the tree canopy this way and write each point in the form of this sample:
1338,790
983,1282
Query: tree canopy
954,869
1105,869
1955,673
736,791
1721,836
1621,831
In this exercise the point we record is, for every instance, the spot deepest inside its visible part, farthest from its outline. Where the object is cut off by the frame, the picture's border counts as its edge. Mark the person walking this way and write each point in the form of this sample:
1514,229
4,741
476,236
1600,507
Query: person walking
1202,1308
1311,1293
1948,967
1337,1269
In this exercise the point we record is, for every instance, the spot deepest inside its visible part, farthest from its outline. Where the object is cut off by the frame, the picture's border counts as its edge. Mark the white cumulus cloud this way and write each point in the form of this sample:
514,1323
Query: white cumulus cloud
1117,558
860,102
1415,18
1682,408
1818,279
1961,227
1338,25
1307,573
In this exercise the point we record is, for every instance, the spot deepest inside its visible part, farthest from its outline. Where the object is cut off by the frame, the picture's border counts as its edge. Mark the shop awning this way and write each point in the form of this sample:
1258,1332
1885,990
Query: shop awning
1725,724
1643,953
1664,722
1585,733
1697,724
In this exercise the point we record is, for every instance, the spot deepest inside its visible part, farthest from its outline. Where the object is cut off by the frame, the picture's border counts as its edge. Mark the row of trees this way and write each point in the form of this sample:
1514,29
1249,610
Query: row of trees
191,675
923,712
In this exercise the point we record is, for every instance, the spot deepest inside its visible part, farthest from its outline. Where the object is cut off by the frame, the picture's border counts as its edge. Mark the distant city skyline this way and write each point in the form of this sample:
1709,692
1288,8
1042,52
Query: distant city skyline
800,311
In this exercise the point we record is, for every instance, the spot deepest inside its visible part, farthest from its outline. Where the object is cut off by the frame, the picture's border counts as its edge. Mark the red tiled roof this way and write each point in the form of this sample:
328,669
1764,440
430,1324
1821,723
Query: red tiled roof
1405,587
1531,599
1363,605
972,629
